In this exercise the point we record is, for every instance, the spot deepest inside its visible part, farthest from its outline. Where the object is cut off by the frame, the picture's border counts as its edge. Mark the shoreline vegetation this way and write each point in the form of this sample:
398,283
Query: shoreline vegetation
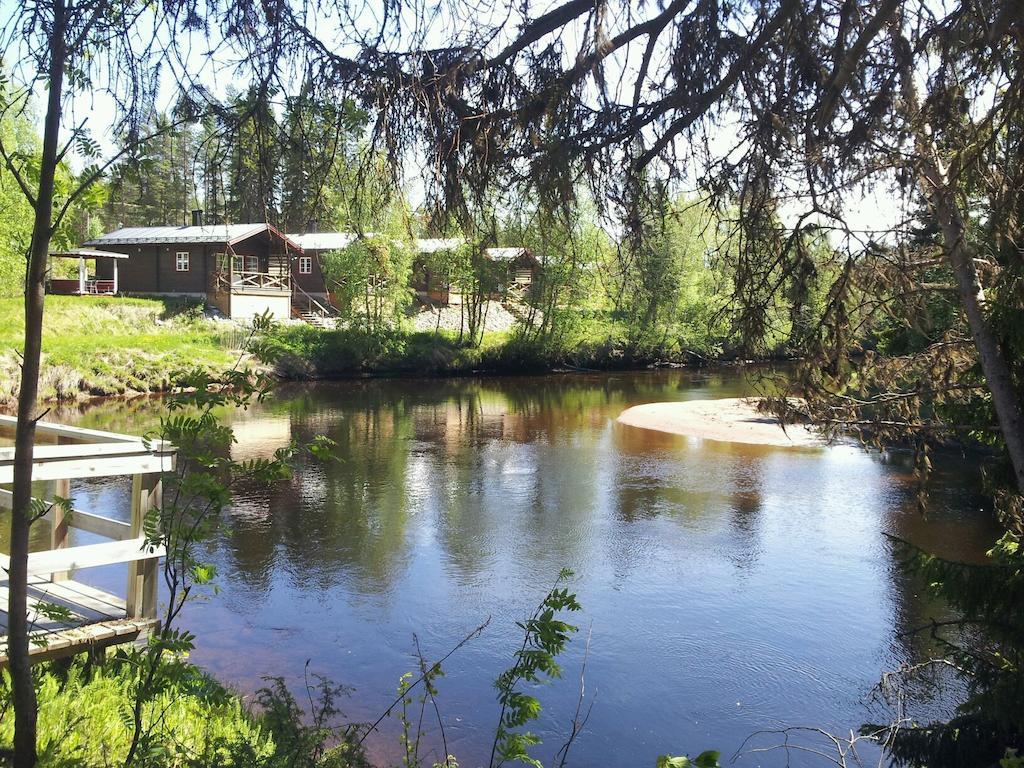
96,347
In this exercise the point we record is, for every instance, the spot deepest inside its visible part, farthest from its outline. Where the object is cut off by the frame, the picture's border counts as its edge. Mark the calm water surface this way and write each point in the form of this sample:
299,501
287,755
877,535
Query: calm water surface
727,588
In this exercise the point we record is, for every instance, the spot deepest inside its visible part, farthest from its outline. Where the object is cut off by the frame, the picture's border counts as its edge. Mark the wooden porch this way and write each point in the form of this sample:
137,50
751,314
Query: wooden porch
84,284
68,616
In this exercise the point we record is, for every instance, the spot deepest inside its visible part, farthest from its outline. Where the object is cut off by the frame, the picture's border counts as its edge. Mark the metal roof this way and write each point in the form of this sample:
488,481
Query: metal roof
88,253
503,254
333,241
323,241
432,245
209,233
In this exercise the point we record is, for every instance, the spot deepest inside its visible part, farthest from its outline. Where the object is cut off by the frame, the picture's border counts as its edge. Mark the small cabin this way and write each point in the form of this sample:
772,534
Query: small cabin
513,273
242,269
307,271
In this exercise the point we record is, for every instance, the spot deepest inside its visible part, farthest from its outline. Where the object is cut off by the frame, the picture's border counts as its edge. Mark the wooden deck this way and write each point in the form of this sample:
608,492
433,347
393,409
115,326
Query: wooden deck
67,616
95,619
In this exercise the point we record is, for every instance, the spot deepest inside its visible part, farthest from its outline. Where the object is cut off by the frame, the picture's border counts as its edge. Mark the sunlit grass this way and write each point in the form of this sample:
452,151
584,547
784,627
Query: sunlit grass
109,345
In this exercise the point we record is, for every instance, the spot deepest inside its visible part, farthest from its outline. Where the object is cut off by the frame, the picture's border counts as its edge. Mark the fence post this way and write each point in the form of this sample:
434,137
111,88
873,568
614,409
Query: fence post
142,574
59,523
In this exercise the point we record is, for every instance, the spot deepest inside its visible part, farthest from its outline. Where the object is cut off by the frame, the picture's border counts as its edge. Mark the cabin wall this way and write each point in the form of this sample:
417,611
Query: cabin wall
152,269
136,274
313,283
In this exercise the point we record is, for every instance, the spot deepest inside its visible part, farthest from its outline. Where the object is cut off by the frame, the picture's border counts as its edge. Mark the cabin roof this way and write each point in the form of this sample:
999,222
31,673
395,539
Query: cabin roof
505,254
208,233
323,241
88,253
333,241
434,244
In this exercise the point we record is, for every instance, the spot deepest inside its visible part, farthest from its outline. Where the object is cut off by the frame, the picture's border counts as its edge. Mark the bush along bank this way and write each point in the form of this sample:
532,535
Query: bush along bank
306,353
117,346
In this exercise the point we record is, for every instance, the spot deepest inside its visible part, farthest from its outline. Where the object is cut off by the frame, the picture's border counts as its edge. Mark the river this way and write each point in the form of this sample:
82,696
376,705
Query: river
726,588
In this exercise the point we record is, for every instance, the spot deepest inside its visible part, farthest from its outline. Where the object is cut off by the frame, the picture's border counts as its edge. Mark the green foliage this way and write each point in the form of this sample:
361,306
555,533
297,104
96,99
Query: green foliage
707,759
544,638
197,722
985,648
308,739
370,278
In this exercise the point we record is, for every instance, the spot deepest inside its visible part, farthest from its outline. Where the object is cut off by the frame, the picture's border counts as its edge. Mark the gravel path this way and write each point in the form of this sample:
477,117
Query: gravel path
496,318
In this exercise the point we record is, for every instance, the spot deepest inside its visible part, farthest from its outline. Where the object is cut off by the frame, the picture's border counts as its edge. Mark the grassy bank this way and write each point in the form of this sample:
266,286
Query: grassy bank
109,346
102,346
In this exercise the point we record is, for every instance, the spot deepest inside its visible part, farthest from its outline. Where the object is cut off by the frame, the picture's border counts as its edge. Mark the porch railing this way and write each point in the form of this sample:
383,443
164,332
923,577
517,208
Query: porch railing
241,281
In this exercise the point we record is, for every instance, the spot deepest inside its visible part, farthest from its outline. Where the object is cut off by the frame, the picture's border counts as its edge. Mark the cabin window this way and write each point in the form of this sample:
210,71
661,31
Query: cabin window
524,275
305,265
246,263
181,261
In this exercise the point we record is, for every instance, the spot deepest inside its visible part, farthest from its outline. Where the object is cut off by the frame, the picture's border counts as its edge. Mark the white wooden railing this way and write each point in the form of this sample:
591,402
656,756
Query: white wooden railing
241,281
81,453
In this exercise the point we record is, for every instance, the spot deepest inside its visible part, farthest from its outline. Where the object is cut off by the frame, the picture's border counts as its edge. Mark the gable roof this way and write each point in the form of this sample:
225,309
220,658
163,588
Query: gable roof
208,233
434,244
334,241
323,241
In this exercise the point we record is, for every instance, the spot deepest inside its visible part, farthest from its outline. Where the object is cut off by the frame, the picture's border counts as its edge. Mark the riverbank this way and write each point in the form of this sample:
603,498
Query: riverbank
308,353
116,346
102,346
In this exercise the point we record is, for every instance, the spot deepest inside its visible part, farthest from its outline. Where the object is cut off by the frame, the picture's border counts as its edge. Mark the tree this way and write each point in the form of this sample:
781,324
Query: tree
781,114
66,49
154,183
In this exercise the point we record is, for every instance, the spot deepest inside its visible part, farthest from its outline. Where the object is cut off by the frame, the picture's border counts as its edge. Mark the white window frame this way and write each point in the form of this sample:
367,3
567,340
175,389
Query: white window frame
305,265
245,261
180,264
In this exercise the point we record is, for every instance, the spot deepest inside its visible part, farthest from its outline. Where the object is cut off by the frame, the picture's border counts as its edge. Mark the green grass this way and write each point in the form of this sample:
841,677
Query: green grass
109,345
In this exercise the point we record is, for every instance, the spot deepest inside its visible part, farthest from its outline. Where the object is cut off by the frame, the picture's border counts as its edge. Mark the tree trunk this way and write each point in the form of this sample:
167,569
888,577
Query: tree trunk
961,255
937,186
24,695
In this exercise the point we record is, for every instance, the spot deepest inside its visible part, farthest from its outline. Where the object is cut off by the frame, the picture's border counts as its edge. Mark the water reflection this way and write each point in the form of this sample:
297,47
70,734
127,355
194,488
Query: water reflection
730,587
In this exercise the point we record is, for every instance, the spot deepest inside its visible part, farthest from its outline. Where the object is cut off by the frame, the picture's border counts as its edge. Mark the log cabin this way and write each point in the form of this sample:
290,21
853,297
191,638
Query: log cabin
512,274
243,270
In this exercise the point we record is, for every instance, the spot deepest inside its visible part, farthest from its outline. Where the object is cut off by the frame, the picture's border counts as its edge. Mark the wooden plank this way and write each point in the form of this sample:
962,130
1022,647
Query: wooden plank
53,645
87,556
76,591
59,523
77,433
79,451
147,493
80,596
90,522
100,525
86,605
92,466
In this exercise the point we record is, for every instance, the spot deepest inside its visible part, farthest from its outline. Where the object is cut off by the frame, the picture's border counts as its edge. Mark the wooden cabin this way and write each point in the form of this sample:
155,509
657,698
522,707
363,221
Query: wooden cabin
307,270
512,275
242,269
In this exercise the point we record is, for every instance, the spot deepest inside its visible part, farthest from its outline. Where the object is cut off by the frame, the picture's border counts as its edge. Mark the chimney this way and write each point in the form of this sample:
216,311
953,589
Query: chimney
312,226
197,217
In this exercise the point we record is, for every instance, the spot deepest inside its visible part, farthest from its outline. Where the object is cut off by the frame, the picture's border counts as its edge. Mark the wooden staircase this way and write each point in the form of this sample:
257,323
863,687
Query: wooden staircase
312,311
